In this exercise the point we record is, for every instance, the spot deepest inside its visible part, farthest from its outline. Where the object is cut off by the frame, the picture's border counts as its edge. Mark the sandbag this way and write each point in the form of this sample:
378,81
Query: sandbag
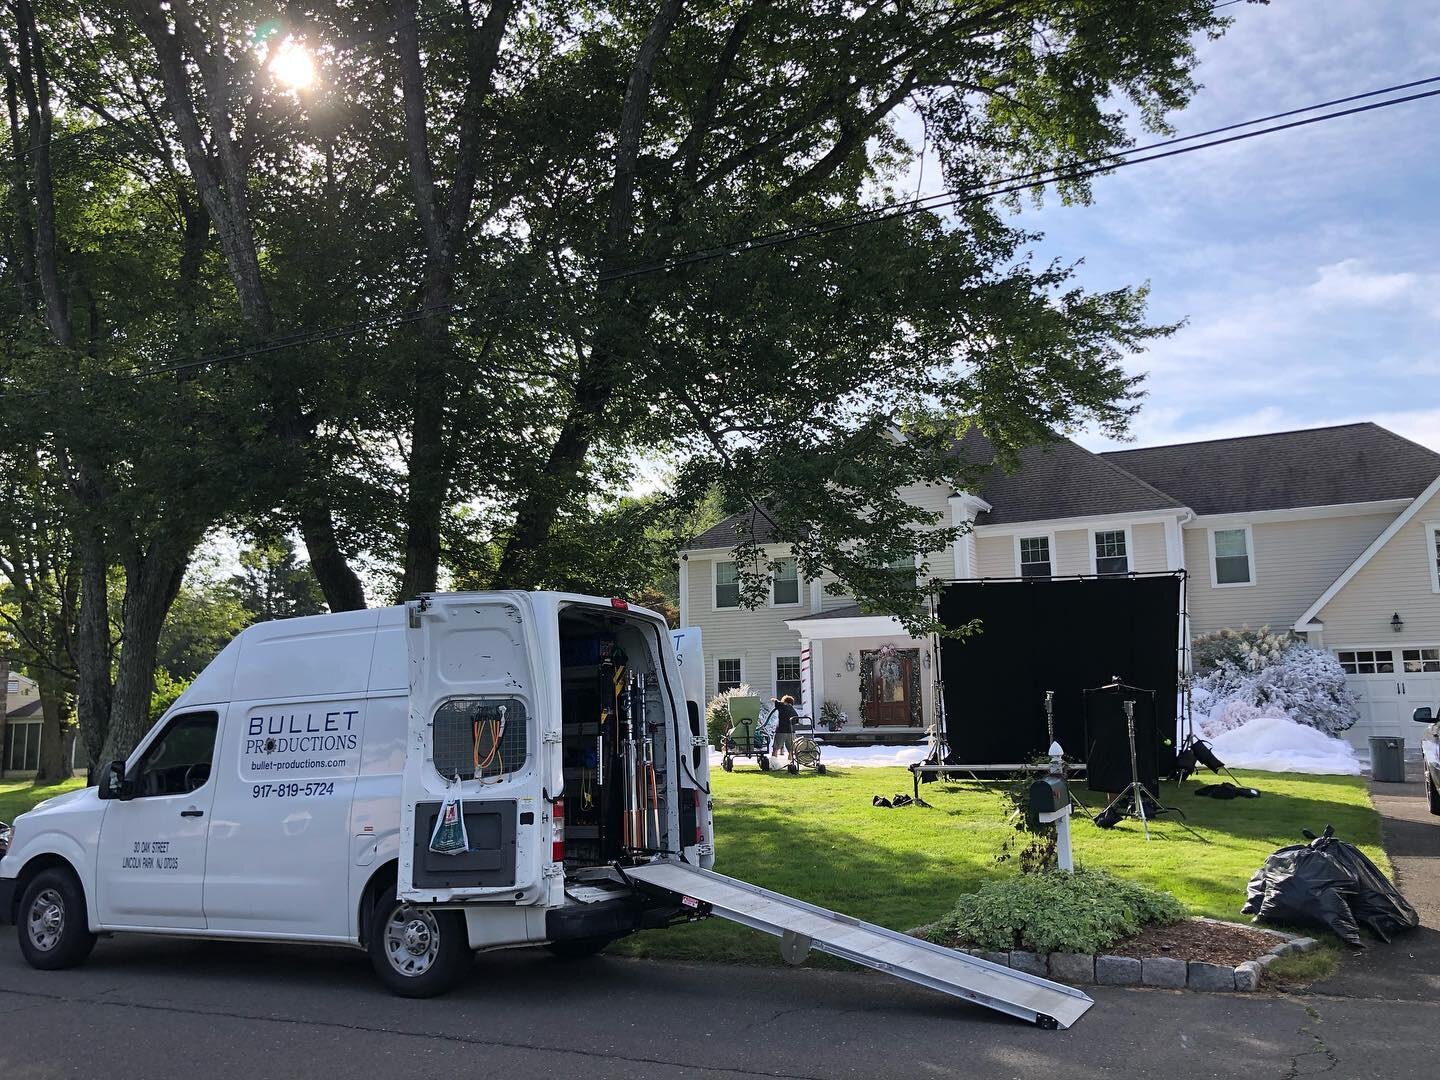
1375,902
1304,886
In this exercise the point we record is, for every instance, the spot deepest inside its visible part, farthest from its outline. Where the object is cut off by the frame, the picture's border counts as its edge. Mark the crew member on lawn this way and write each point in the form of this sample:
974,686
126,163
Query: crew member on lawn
785,725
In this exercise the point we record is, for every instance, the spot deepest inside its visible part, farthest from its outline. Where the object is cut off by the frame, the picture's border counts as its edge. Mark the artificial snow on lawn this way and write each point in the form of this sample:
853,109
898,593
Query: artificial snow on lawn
871,757
1279,744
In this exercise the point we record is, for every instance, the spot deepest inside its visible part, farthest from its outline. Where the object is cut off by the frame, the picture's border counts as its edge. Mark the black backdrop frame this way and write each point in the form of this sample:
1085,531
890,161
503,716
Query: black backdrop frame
1063,633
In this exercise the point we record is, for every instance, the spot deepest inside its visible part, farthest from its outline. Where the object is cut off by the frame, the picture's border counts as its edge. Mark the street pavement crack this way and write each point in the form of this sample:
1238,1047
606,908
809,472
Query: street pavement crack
467,1040
1318,1059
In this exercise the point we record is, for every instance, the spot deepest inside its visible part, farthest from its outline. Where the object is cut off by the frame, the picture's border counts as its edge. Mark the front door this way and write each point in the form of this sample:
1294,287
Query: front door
151,870
890,701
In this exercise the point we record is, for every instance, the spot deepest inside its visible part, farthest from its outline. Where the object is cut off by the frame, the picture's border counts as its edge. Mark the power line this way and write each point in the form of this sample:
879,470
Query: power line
1025,181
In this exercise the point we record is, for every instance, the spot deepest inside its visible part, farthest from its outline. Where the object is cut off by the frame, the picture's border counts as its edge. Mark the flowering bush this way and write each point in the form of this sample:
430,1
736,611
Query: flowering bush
1243,649
1266,675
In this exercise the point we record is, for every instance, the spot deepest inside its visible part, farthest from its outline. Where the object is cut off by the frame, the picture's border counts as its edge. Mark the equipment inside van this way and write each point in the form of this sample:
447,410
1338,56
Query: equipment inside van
298,791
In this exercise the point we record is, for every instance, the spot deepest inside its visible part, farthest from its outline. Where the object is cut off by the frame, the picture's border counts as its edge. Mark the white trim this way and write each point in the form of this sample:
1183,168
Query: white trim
1303,623
743,679
715,584
1432,553
1249,557
851,626
1175,541
683,586
1301,513
1129,550
964,508
817,597
1044,525
1034,534
799,586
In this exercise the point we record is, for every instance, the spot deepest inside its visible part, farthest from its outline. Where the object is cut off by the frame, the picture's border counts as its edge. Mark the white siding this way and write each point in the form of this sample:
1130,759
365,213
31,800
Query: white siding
1147,548
753,635
1293,562
995,556
1396,580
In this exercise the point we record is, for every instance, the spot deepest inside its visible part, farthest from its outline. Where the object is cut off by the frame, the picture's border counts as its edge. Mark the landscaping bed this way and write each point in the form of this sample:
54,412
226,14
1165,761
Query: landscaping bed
1207,940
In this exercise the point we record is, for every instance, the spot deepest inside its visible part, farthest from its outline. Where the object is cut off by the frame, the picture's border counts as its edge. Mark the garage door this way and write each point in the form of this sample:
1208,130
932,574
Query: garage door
1390,684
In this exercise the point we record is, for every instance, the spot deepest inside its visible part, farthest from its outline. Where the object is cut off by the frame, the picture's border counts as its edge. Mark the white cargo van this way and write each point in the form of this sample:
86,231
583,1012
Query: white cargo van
292,794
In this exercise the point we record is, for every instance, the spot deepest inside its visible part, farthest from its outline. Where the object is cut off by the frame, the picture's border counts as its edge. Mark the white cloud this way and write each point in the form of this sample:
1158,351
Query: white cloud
1349,282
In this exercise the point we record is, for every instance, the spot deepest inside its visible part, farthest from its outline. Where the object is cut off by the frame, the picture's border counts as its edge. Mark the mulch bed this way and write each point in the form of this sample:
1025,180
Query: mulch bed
1193,939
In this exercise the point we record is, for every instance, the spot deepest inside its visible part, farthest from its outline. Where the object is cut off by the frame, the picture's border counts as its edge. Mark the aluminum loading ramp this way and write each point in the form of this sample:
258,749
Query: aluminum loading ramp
802,926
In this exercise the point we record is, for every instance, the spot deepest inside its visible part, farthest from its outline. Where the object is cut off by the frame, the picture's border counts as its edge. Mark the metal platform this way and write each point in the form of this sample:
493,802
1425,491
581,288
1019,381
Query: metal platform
802,926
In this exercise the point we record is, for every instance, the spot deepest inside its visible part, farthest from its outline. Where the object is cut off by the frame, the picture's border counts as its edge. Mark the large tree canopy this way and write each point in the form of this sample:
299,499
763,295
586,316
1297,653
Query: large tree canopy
488,224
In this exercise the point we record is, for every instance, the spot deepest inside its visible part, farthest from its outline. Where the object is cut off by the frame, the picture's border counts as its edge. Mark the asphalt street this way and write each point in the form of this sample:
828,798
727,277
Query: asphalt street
159,1008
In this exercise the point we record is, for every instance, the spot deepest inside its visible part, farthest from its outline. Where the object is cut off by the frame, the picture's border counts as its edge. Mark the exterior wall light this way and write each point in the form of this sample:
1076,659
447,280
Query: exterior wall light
1396,623
850,661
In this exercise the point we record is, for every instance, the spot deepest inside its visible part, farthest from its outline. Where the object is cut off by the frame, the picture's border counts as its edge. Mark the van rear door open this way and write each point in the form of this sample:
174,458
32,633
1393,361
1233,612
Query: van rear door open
474,727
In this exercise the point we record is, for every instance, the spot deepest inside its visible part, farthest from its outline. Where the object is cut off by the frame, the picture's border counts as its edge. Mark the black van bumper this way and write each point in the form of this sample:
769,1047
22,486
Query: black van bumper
609,918
7,900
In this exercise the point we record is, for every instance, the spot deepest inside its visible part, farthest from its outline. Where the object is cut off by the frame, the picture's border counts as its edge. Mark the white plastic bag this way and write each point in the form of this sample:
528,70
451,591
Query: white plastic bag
449,837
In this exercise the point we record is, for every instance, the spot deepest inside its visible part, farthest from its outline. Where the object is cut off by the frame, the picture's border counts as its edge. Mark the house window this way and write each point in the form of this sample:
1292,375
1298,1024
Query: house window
1034,556
22,747
1368,662
785,585
1433,532
787,676
1232,556
727,674
1420,660
1112,556
727,585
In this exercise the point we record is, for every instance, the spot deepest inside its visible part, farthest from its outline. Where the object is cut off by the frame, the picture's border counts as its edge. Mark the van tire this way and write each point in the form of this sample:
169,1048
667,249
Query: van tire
432,944
578,948
52,922
1432,795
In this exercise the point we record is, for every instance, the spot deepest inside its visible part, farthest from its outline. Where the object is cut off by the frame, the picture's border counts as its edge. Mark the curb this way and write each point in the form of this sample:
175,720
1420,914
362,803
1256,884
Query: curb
1167,972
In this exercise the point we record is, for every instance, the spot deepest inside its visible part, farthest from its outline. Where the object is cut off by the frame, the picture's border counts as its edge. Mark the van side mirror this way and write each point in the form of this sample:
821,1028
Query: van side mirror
1423,715
113,784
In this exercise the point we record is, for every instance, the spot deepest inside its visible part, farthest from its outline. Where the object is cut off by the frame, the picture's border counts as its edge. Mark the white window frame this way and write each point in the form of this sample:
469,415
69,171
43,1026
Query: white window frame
1249,553
799,585
1432,555
1422,660
715,604
775,659
743,680
1123,530
1396,661
1048,537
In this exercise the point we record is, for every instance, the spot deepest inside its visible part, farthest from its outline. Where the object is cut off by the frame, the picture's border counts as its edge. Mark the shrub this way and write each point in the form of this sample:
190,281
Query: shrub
717,713
831,717
1087,911
1304,683
1242,650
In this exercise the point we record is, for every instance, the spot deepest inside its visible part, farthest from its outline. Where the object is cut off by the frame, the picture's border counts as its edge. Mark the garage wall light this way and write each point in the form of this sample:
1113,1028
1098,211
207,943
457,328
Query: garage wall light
1396,623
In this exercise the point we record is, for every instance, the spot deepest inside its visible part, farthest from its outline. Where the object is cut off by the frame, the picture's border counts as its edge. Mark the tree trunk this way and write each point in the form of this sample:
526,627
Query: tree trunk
92,644
54,766
152,581
4,707
340,584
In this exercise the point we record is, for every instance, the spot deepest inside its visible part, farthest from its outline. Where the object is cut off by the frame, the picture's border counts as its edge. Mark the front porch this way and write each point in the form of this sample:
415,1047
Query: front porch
871,669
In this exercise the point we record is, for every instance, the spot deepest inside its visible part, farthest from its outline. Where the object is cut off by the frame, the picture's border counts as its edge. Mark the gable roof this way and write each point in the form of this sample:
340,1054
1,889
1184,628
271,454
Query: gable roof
1060,479
1306,621
736,527
1349,463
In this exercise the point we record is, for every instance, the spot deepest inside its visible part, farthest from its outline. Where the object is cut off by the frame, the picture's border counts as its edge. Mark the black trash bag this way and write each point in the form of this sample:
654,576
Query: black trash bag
1303,886
1376,903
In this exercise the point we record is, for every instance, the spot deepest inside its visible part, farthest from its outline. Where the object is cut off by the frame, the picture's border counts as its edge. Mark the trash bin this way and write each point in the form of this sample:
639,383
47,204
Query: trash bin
1387,759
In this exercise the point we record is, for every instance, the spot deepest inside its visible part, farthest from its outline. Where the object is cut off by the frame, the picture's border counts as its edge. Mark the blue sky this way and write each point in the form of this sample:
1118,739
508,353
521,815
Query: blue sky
1307,263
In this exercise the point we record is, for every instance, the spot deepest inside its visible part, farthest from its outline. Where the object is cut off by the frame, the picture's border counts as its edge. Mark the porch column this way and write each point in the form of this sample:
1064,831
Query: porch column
964,508
812,674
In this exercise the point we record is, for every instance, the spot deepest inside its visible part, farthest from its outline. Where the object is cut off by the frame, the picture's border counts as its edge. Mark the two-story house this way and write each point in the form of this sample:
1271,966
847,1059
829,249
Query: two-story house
1332,532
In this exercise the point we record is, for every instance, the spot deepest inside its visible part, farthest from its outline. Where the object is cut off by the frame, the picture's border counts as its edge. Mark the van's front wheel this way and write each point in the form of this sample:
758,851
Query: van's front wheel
54,928
418,951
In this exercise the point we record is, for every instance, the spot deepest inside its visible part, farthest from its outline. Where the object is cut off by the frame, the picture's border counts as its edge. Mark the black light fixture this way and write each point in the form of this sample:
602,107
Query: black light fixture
1396,623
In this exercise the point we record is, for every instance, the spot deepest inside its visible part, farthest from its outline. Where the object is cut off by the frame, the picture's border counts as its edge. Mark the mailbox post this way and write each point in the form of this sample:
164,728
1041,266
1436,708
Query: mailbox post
1050,802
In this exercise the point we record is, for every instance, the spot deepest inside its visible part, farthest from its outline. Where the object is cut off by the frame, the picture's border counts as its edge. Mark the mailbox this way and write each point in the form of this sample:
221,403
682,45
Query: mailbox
1049,795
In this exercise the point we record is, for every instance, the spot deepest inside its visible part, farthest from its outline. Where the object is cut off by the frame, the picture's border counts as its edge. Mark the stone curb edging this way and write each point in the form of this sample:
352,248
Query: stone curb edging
1166,972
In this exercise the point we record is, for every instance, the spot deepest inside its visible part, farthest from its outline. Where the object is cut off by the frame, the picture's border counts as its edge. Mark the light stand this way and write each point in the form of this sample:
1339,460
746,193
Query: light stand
1131,801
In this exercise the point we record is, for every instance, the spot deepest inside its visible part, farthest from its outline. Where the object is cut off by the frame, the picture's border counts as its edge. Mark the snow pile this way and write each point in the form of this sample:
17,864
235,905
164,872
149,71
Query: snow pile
1278,744
871,757
1297,680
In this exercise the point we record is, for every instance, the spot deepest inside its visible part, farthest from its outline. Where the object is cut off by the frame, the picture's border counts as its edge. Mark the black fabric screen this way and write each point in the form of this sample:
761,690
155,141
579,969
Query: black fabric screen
1066,635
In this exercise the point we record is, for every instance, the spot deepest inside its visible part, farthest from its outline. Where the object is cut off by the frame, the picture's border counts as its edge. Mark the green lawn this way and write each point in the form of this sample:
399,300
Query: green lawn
819,839
17,796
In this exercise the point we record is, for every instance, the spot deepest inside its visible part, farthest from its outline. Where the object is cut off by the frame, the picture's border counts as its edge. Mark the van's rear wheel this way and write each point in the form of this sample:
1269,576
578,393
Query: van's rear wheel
54,927
1432,795
578,948
418,951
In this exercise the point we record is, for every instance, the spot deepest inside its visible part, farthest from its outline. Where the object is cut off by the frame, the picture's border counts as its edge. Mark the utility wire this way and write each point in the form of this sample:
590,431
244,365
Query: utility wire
1026,181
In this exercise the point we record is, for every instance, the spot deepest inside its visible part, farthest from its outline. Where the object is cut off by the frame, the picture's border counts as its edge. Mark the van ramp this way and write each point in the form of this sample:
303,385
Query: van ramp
802,926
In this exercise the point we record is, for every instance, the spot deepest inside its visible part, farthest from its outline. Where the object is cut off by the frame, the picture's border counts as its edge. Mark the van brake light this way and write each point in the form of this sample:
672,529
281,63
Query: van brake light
618,604
557,831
